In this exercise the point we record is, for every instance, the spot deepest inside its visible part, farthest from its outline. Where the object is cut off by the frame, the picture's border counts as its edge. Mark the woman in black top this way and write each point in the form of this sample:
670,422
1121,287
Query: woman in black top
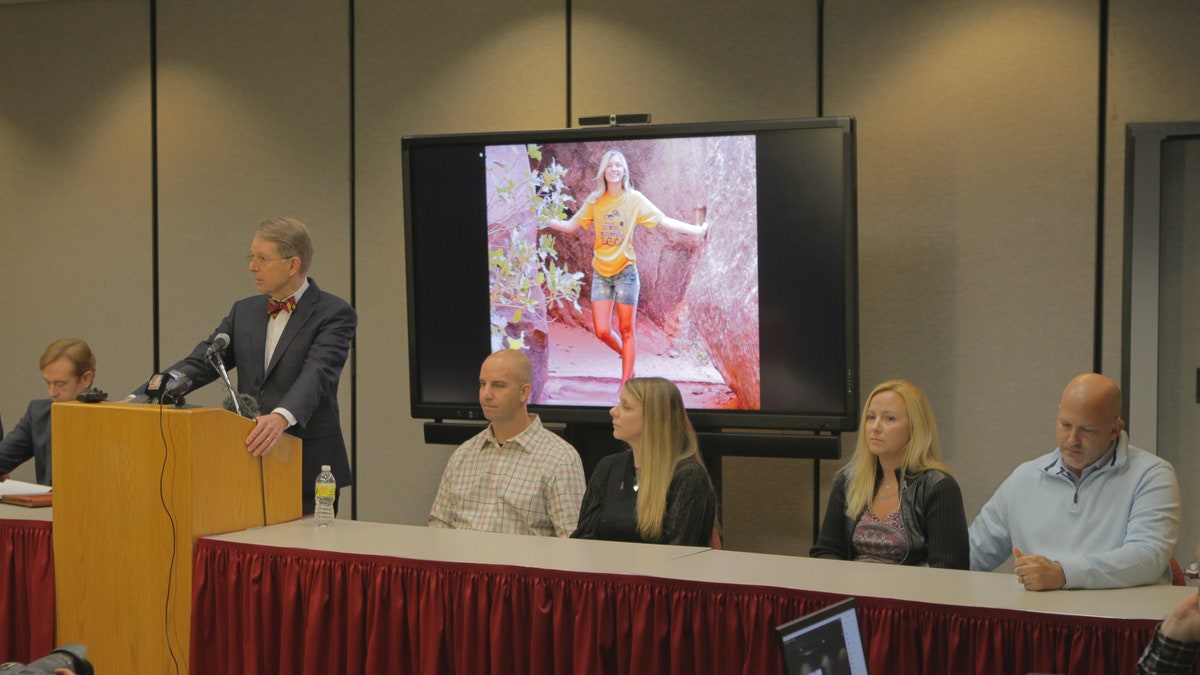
895,502
658,491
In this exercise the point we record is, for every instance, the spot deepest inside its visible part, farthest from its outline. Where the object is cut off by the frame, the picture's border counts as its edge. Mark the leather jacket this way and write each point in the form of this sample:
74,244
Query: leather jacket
930,509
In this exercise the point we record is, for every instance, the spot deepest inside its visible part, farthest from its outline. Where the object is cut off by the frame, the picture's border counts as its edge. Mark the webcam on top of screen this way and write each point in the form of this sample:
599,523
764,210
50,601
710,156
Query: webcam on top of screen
614,120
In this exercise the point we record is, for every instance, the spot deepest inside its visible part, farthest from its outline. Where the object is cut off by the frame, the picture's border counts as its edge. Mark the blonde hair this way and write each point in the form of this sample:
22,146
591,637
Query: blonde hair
601,183
667,439
922,453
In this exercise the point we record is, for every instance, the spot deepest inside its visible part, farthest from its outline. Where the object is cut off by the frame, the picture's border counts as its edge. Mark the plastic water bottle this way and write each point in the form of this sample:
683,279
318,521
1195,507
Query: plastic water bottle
326,491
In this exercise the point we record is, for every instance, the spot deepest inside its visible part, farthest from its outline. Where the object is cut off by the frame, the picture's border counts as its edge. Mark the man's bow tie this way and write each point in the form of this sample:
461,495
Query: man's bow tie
275,306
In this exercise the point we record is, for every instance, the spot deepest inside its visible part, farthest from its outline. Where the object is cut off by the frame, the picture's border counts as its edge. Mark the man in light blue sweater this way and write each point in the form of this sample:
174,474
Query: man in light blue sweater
1095,513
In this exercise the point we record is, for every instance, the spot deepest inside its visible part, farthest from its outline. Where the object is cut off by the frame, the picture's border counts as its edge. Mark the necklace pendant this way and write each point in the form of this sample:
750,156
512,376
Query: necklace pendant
635,487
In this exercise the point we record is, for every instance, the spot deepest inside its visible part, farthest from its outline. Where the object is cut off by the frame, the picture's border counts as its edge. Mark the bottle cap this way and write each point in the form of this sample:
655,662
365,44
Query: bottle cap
325,467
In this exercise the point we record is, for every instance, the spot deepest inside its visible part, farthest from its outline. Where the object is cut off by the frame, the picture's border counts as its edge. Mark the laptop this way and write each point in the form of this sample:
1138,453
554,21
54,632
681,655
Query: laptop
826,642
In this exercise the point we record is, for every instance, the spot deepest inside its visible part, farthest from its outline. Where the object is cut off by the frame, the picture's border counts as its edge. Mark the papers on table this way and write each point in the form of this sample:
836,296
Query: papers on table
20,487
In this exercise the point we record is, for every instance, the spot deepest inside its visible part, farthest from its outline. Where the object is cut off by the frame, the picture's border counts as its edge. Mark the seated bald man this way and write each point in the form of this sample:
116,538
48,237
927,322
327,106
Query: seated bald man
515,476
1096,512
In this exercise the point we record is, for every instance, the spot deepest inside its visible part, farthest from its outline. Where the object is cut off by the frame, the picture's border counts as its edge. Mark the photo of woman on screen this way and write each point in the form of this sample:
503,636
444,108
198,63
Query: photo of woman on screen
615,209
662,300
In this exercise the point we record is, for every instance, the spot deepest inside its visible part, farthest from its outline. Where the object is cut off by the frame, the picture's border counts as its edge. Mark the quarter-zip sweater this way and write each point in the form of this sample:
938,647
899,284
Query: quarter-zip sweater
1116,529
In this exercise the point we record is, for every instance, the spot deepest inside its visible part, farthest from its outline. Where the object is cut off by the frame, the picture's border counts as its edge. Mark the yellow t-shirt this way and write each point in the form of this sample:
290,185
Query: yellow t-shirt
616,218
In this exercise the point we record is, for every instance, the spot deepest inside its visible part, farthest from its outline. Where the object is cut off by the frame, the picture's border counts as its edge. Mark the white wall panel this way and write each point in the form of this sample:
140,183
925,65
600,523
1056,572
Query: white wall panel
75,209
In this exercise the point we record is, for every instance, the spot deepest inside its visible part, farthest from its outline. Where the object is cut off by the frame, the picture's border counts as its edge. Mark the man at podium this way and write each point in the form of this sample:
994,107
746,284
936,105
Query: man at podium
289,344
68,368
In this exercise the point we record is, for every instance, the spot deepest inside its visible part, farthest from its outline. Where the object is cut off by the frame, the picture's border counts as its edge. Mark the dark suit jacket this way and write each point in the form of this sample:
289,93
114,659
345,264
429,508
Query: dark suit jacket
30,438
302,377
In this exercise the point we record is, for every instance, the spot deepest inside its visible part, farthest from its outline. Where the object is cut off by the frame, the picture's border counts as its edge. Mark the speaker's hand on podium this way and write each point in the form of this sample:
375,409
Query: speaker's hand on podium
266,434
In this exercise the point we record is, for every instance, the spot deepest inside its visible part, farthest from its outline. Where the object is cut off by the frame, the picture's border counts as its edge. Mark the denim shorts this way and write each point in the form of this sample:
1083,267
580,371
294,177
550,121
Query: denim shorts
623,285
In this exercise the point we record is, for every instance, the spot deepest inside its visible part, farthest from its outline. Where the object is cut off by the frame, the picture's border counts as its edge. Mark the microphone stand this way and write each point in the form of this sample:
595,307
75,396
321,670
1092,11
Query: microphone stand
217,362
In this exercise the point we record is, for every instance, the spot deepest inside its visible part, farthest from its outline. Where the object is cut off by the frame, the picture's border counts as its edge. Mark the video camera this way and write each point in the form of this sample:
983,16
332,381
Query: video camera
71,657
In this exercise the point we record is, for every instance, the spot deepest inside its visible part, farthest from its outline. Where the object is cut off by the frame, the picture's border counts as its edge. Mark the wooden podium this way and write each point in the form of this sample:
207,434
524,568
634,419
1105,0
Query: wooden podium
134,485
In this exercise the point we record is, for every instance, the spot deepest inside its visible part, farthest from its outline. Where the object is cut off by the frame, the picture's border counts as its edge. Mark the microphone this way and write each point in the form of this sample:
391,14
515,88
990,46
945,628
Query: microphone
177,385
233,401
219,343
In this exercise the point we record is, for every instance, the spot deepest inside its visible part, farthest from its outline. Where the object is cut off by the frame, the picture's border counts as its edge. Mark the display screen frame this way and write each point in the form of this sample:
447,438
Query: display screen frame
443,208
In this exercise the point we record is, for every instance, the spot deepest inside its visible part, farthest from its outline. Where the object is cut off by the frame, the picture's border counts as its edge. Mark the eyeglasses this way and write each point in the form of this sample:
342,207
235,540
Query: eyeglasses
260,261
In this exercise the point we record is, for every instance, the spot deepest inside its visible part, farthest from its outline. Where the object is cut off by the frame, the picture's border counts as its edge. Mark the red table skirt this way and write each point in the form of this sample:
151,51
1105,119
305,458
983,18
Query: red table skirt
268,610
26,590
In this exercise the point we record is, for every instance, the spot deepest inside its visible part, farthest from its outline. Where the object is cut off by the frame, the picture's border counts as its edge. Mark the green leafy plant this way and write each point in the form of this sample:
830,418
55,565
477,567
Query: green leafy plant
526,279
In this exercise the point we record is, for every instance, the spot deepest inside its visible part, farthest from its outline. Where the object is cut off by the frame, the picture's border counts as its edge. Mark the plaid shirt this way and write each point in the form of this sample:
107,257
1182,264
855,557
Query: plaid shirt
533,484
1166,656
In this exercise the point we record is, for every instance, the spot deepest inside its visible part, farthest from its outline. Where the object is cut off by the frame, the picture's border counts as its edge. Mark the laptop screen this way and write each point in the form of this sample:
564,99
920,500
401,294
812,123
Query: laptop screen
826,642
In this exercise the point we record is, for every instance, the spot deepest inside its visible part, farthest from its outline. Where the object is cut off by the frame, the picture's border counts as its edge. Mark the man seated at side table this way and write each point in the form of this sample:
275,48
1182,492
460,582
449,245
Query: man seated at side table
515,476
1096,512
68,367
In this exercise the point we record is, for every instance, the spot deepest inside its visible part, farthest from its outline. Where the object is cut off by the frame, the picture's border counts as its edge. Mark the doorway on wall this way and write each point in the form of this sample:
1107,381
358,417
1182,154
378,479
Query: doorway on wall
1161,336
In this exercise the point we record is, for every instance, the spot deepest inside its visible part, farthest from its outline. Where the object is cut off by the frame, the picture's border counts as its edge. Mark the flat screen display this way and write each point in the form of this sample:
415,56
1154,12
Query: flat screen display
720,256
